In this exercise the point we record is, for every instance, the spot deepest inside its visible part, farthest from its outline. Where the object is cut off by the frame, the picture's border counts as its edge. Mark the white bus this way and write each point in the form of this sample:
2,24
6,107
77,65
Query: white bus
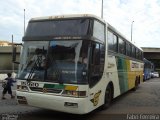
75,64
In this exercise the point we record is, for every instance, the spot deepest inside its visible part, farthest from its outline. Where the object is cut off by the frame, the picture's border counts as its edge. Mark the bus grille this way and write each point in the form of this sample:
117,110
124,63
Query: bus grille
46,90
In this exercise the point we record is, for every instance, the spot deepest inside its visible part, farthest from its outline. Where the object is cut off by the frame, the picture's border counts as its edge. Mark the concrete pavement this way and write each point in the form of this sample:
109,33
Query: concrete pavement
144,101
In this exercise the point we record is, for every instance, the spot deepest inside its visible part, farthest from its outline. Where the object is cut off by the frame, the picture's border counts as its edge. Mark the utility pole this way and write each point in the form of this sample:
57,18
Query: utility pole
24,21
12,55
102,10
131,29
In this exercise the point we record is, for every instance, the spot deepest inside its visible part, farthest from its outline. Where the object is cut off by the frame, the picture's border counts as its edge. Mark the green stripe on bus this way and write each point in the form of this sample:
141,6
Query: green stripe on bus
53,86
122,74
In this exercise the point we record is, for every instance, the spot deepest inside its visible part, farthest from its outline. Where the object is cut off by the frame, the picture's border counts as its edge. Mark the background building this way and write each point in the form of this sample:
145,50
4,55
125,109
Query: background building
153,55
6,64
4,43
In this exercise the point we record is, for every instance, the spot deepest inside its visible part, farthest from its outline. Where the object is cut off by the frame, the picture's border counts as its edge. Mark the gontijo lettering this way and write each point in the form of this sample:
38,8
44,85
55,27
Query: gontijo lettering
30,84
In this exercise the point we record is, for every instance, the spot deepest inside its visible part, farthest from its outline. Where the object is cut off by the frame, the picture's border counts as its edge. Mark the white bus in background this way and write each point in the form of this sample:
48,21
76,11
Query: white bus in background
75,64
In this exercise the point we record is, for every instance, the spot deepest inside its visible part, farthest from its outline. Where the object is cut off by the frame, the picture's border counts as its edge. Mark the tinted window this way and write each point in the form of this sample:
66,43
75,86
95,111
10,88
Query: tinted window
139,54
98,30
58,28
121,46
112,41
97,63
96,54
133,51
102,55
115,45
128,49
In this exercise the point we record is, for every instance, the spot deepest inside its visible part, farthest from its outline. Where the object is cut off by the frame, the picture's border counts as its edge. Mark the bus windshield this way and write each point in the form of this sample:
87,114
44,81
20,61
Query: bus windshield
60,61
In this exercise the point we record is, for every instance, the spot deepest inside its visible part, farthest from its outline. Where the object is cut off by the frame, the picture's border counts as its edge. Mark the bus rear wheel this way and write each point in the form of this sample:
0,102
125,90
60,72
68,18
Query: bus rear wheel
108,97
136,84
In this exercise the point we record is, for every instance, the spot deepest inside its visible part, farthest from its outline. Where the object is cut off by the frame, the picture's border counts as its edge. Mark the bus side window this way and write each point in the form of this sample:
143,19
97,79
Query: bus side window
128,49
121,46
133,52
96,60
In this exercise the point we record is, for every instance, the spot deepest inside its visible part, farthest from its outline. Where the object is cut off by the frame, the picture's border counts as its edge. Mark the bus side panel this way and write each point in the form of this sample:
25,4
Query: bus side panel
141,75
131,75
97,92
140,71
113,74
128,72
122,74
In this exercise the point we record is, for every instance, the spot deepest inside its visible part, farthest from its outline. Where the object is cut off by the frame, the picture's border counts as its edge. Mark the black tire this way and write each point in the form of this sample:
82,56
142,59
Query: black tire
108,97
136,84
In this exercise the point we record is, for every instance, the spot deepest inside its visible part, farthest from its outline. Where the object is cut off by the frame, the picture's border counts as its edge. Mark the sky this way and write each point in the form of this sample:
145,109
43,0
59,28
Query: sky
119,13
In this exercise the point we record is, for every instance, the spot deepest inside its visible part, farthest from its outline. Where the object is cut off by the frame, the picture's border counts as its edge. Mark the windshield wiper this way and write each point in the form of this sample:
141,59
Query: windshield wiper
36,65
31,72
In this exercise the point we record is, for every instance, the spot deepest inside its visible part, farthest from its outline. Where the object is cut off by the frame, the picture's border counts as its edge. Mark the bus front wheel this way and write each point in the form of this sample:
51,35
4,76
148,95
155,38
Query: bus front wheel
108,97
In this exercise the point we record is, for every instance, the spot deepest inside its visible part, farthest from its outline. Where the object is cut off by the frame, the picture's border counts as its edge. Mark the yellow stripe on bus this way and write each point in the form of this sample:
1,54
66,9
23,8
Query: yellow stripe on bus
71,88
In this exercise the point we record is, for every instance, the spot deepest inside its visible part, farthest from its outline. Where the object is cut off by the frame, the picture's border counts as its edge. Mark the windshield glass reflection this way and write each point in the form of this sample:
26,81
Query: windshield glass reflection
57,61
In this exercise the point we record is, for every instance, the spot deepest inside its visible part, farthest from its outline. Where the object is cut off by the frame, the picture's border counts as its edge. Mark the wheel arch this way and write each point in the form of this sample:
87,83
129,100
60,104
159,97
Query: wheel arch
112,87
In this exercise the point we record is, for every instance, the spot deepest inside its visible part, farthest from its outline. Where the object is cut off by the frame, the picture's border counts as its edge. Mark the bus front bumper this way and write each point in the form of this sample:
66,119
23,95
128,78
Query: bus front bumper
57,103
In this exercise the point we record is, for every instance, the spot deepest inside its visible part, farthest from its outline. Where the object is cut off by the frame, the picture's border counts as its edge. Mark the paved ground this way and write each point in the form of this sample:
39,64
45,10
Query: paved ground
132,105
146,99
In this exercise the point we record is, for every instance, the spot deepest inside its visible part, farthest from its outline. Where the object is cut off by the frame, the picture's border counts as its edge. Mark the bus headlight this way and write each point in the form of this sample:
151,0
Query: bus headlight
22,88
70,93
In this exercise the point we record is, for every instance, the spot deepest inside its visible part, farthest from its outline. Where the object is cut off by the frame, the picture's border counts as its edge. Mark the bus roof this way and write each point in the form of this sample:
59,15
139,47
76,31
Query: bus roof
80,16
67,16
